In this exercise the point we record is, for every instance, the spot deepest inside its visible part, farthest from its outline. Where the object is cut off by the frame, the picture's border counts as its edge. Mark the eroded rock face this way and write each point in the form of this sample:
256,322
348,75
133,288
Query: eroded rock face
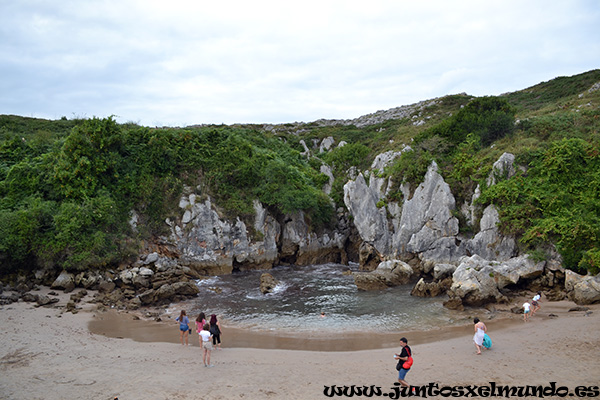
474,282
488,242
212,245
422,224
478,281
427,216
370,221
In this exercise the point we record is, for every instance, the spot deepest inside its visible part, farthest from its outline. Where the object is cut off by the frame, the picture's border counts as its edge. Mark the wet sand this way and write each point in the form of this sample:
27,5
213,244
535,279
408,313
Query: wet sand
127,325
132,325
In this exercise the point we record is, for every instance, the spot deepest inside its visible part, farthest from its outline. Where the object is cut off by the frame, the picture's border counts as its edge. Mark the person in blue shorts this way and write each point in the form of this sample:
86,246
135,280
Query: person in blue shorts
404,354
184,326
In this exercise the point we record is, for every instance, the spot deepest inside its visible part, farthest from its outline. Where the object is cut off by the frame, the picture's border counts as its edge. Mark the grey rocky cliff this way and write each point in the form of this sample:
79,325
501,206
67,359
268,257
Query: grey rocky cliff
422,224
212,245
473,270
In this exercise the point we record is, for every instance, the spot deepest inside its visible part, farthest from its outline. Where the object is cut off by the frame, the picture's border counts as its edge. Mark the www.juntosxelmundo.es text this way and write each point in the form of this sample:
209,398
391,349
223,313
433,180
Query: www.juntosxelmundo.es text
434,390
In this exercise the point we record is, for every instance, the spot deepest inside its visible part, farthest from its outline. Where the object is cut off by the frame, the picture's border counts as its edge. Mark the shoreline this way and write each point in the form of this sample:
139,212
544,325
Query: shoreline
47,353
132,325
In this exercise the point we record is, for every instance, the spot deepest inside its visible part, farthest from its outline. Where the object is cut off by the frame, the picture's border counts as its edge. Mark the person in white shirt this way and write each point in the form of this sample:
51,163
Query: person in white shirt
526,307
207,345
536,303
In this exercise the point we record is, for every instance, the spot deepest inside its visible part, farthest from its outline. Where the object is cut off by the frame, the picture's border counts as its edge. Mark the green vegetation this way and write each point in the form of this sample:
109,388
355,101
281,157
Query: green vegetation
67,187
68,204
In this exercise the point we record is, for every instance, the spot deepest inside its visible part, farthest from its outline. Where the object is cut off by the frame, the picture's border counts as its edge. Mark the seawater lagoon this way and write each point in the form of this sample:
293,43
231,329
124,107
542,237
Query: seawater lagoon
296,304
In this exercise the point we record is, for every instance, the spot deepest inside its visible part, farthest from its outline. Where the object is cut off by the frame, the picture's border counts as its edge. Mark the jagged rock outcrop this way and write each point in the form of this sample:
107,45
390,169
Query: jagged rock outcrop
488,242
370,220
422,224
387,274
478,281
212,245
474,284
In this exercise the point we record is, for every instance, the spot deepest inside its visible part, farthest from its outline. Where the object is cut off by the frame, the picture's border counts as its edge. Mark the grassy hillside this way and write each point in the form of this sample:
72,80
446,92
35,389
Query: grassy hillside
67,187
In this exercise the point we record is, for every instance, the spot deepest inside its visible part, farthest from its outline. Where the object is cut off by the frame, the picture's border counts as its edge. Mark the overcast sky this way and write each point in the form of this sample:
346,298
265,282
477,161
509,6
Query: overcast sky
179,63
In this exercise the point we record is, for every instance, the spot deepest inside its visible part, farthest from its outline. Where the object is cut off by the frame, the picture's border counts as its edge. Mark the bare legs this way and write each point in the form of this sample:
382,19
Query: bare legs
182,335
206,357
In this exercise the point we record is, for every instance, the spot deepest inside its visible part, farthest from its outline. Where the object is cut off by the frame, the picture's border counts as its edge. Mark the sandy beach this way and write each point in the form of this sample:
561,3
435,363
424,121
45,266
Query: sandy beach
46,353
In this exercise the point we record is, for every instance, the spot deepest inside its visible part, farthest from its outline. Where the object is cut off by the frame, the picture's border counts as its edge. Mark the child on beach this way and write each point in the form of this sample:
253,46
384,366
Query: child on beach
536,303
205,338
526,308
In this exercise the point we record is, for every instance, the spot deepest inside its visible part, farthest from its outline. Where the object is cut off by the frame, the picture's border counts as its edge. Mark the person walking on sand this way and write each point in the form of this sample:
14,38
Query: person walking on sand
404,355
207,346
200,322
526,311
184,326
480,330
215,330
535,303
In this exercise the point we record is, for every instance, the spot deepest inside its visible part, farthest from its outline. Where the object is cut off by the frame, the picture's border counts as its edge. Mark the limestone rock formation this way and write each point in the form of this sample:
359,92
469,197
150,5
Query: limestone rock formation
582,289
387,274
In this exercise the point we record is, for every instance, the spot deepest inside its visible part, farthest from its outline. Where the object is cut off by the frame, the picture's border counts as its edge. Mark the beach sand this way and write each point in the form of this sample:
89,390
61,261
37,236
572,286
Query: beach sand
46,353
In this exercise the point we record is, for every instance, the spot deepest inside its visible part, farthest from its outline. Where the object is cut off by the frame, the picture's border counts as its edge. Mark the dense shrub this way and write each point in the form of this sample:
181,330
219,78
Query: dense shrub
557,200
490,118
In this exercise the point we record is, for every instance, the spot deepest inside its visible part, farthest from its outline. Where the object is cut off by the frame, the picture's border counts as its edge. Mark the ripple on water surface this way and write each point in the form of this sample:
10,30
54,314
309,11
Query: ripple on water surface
304,292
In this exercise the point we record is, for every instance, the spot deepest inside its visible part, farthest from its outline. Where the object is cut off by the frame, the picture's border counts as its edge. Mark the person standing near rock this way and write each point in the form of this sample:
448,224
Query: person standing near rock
215,330
184,326
480,330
